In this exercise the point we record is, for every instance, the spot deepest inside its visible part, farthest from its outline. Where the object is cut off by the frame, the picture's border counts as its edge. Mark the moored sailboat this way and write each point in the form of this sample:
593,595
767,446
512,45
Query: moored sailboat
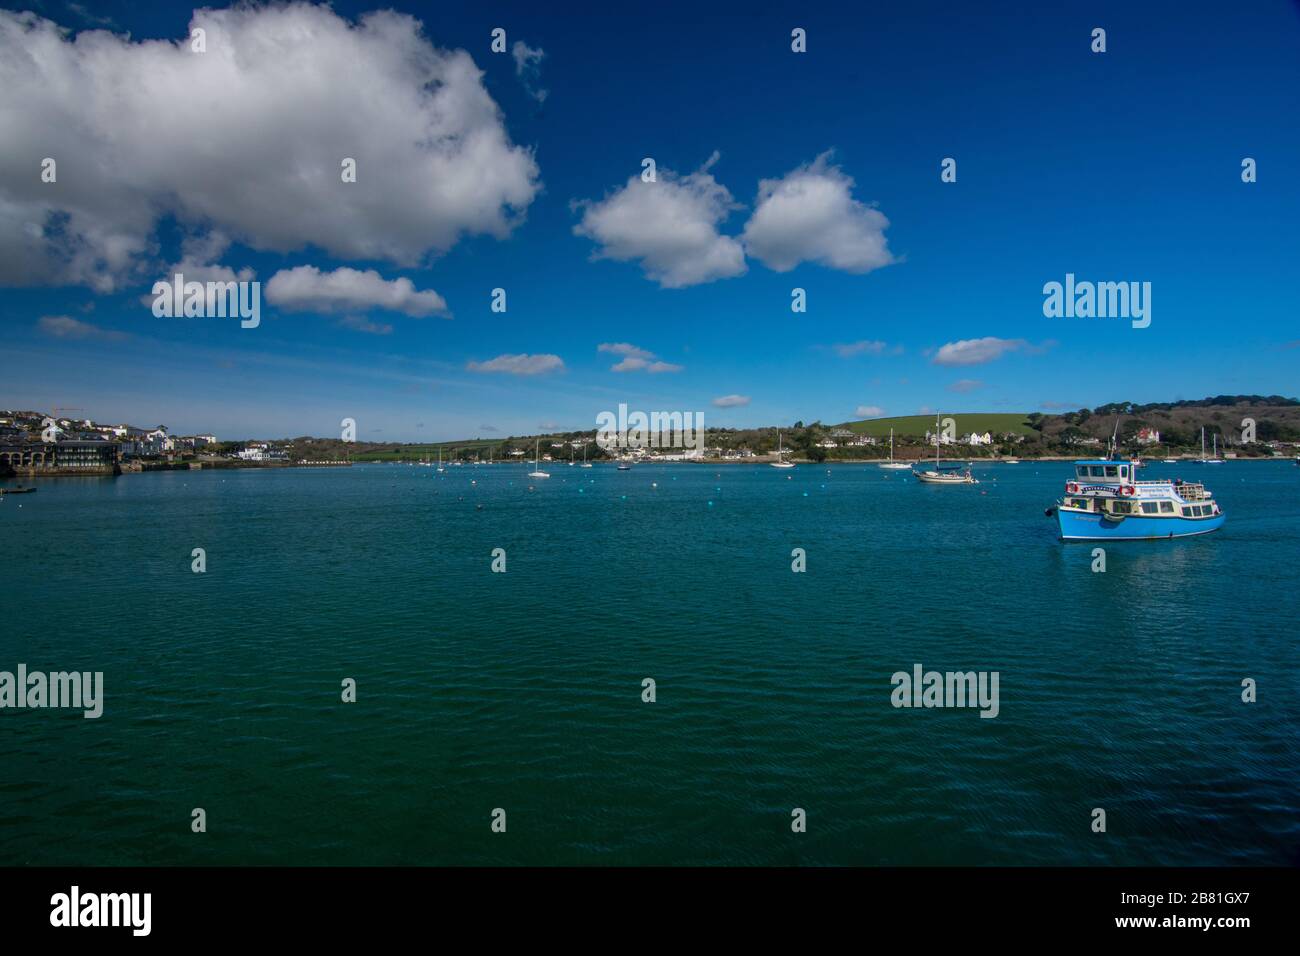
892,465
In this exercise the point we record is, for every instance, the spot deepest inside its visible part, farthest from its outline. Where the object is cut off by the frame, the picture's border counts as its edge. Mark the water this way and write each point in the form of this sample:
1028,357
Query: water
523,690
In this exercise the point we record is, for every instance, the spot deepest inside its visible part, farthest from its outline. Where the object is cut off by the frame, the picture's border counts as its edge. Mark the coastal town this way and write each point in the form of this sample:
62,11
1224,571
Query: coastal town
51,443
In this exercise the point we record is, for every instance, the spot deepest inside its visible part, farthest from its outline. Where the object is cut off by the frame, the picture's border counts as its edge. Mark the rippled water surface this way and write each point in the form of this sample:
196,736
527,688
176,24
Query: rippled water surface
522,690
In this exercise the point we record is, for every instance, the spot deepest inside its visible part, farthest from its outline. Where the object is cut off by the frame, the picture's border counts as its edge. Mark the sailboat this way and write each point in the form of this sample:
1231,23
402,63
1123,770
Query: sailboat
780,453
440,468
537,463
571,454
1216,460
585,463
892,465
944,476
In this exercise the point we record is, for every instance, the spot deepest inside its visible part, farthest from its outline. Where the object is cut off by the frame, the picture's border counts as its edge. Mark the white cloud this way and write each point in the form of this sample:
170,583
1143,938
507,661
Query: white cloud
979,351
349,290
670,226
521,364
528,69
247,139
869,411
66,327
636,359
966,385
731,401
810,215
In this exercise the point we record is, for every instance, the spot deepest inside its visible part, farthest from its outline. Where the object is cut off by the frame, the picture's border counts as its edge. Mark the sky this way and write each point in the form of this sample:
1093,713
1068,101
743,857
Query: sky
522,170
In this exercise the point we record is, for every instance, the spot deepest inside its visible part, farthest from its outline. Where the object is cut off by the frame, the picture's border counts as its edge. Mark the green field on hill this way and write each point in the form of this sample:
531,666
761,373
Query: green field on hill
463,449
996,423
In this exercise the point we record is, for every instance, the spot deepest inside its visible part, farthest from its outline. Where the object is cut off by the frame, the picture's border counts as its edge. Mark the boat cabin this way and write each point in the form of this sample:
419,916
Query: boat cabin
1105,472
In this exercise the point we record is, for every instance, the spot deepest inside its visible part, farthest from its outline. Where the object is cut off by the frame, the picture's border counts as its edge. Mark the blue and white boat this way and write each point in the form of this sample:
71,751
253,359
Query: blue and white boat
1105,502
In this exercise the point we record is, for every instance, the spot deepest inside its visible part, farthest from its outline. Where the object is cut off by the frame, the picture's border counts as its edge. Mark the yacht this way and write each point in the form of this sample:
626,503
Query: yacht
537,464
892,465
780,453
939,475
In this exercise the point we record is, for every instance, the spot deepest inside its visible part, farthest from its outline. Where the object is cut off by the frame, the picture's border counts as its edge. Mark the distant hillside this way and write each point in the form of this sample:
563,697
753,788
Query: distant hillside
996,423
1179,423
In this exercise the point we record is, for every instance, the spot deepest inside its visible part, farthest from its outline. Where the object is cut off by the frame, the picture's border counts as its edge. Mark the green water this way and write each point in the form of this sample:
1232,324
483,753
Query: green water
522,691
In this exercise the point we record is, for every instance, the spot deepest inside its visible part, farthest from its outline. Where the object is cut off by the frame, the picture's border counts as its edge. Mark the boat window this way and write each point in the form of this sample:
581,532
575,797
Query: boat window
1081,471
1123,471
1187,511
1111,471
1150,508
1166,507
1081,503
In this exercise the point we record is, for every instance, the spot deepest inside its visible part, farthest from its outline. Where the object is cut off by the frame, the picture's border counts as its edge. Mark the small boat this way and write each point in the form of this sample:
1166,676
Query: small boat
947,476
780,453
19,490
1216,460
1010,461
585,463
954,475
537,464
440,468
1171,461
1106,502
624,466
892,465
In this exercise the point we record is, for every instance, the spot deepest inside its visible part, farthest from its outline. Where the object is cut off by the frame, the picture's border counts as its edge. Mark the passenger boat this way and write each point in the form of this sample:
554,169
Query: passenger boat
1105,502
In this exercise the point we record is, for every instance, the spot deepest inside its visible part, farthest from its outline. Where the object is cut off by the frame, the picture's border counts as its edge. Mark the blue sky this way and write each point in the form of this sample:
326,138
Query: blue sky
1122,166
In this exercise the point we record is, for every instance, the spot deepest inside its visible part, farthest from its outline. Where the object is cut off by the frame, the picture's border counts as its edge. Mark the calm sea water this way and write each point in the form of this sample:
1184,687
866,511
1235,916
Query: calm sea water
522,690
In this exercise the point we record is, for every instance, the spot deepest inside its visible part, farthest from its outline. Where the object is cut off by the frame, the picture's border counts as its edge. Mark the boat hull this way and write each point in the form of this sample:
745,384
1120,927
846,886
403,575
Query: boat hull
1091,527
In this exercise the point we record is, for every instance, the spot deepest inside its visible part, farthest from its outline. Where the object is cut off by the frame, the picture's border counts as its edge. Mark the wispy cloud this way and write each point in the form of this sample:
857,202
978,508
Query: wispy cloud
966,385
869,411
521,364
865,347
731,401
528,68
66,327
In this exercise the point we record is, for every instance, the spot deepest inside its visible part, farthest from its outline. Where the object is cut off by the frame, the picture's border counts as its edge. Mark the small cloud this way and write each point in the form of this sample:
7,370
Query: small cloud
966,385
522,364
987,349
636,359
66,327
731,401
869,411
360,323
528,69
306,288
488,428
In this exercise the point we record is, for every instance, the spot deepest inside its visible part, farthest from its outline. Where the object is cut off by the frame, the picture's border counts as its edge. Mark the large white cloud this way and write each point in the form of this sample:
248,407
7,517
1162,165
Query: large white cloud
810,215
670,226
349,290
246,138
